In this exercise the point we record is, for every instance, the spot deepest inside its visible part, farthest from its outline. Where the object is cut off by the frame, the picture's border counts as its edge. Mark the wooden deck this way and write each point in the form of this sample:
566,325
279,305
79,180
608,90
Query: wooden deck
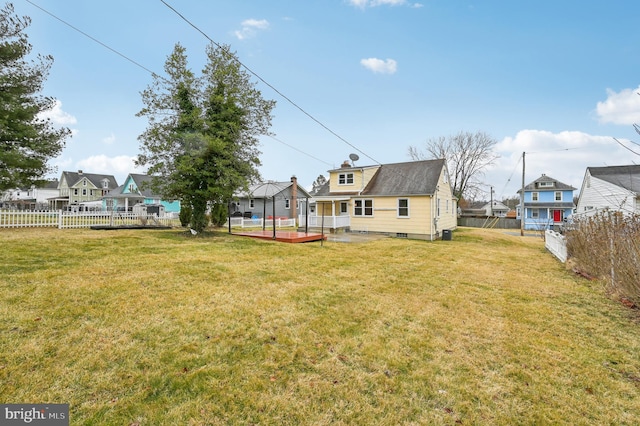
284,236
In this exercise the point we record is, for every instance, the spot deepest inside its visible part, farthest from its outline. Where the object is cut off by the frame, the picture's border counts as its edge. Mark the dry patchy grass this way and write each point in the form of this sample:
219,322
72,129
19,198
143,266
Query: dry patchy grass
153,327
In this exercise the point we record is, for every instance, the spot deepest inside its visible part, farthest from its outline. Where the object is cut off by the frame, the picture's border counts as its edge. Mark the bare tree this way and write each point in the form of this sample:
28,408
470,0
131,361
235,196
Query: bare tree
467,155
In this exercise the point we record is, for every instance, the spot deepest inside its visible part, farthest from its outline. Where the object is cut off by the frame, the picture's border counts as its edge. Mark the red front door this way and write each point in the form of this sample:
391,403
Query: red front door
557,215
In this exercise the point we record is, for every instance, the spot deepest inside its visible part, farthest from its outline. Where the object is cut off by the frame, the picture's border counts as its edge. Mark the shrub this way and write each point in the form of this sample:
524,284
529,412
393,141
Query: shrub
219,213
185,214
607,246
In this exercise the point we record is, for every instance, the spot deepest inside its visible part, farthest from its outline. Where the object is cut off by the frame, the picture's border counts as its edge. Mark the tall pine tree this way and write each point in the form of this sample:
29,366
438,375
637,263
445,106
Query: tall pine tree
27,141
201,142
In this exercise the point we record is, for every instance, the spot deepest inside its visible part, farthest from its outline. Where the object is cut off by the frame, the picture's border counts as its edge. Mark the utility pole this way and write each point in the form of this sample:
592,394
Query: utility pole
491,187
522,211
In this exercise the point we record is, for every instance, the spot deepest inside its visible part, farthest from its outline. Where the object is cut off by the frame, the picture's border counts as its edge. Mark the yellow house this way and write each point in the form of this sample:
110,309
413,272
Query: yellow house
409,200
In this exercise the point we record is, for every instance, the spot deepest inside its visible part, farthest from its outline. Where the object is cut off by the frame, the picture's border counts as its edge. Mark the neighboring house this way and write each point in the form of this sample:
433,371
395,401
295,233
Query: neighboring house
547,202
269,199
135,192
495,209
410,200
34,198
483,208
614,188
78,188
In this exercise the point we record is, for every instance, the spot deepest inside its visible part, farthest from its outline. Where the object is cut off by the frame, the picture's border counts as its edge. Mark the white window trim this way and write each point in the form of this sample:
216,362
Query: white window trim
363,207
408,209
535,196
345,177
555,195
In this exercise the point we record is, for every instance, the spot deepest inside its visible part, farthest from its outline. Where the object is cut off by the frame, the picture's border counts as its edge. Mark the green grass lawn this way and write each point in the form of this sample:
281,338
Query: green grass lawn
154,327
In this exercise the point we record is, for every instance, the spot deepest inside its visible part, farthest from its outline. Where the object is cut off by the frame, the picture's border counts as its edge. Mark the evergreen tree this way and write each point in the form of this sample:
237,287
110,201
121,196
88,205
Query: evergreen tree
201,143
27,141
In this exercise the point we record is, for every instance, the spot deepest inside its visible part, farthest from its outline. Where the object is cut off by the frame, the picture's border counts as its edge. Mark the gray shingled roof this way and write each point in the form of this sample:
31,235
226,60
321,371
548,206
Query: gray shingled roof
544,178
410,178
627,177
269,189
73,178
140,180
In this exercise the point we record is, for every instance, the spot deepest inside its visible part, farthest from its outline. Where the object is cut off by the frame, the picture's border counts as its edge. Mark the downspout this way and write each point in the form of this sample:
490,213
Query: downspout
432,218
362,183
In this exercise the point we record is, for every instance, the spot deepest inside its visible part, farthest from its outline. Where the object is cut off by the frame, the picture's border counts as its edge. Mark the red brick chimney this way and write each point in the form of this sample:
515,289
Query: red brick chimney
294,198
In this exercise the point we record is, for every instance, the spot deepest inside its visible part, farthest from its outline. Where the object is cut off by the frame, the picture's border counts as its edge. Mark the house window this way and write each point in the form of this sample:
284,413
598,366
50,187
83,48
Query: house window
130,187
344,206
438,207
75,191
403,207
447,206
545,184
252,203
105,184
534,196
363,208
535,213
84,182
84,192
558,195
287,203
345,179
91,192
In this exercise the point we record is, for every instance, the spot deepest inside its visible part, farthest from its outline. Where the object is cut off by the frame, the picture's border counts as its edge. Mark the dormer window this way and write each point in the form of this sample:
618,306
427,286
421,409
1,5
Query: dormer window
105,184
545,184
345,179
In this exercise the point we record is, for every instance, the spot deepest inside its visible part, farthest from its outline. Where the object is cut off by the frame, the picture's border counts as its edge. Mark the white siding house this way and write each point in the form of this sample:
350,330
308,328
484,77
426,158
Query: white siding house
614,188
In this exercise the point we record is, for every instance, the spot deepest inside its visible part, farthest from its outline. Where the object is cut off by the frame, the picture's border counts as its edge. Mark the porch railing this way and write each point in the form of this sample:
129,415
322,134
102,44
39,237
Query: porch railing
240,222
330,222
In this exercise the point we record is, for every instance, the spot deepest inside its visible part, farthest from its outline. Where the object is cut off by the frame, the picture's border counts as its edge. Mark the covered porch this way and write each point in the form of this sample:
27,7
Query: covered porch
328,212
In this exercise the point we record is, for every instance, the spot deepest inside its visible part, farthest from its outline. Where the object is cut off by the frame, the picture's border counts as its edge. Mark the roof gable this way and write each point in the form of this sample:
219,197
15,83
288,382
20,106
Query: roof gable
270,188
547,183
72,178
627,177
410,178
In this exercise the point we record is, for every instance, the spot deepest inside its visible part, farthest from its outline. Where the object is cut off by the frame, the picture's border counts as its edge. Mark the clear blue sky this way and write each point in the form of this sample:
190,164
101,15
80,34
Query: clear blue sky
556,79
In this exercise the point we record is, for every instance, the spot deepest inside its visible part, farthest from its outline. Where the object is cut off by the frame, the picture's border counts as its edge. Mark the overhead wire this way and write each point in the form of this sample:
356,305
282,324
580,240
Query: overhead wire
156,75
269,85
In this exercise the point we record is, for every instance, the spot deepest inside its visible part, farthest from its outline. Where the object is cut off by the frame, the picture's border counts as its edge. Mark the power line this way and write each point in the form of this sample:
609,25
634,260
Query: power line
300,151
269,85
95,40
155,75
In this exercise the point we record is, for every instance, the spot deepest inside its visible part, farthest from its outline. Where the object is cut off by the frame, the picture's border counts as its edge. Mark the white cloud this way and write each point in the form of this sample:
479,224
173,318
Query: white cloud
373,3
620,108
563,156
109,140
250,27
58,116
380,66
119,166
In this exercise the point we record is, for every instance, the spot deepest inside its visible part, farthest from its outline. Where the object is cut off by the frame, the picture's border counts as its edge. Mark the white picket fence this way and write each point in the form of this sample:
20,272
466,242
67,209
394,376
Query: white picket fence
556,244
239,222
60,219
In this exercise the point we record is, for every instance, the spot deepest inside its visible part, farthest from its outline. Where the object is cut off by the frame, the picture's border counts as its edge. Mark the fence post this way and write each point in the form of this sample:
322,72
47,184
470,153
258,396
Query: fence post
60,219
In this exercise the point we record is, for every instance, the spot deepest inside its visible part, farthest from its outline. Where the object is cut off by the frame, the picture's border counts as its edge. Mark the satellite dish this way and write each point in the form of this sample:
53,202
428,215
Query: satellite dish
354,157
